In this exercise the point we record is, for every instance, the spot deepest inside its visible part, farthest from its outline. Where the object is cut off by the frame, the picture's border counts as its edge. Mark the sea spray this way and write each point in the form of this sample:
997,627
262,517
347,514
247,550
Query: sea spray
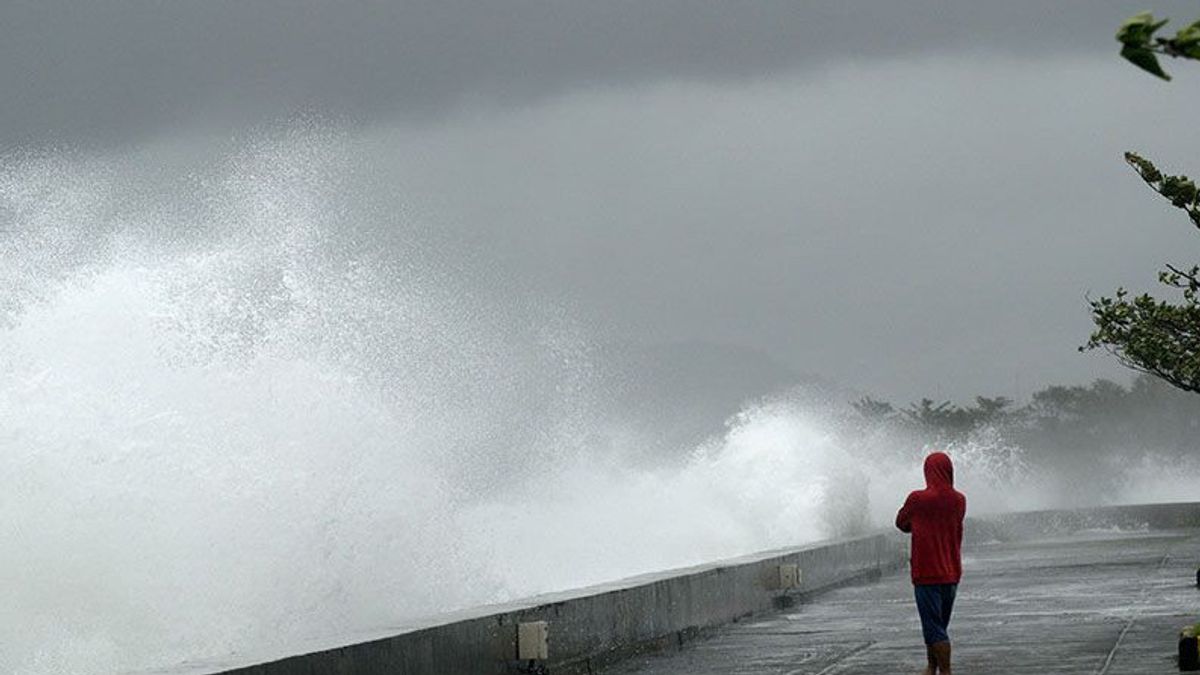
227,432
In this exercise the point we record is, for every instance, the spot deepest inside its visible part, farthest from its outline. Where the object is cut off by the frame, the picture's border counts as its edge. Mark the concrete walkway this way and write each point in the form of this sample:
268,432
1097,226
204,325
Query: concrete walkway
1107,603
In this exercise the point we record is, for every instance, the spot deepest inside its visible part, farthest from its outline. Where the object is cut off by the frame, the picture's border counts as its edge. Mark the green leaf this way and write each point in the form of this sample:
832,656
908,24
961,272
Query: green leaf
1189,35
1138,29
1187,41
1145,59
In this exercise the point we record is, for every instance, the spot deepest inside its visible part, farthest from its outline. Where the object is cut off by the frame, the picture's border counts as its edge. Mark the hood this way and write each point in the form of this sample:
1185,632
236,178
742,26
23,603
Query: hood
939,472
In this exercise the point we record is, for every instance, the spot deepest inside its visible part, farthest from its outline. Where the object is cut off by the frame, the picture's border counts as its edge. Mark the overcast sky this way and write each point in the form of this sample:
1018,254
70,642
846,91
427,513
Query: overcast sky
908,197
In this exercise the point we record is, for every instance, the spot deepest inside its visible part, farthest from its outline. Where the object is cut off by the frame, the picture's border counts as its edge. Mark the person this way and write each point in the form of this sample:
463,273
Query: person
934,516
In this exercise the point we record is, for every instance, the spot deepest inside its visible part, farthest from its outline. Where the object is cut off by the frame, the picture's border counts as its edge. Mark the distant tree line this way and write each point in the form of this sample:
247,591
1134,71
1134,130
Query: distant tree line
1058,423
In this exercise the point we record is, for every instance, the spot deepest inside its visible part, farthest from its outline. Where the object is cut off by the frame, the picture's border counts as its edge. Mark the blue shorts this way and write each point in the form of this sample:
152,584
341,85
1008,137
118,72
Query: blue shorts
935,602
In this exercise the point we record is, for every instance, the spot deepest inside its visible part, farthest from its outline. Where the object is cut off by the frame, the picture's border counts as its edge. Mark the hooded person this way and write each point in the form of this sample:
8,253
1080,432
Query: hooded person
934,517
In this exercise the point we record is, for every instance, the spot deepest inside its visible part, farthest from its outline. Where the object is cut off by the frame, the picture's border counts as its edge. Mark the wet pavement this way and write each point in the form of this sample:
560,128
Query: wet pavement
1105,603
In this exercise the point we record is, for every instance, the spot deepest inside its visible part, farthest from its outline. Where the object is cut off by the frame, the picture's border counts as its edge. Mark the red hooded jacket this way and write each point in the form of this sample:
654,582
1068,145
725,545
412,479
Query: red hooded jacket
934,516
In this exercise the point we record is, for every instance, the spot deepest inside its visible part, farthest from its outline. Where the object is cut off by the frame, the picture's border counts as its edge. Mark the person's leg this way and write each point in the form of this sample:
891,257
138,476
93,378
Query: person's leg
941,654
949,592
941,650
931,657
929,607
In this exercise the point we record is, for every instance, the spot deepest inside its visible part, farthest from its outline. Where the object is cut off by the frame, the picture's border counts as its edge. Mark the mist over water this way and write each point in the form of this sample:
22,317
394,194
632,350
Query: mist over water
241,406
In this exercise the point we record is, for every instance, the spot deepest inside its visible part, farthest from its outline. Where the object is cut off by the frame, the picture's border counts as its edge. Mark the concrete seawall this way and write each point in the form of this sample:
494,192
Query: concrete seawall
594,626
1030,524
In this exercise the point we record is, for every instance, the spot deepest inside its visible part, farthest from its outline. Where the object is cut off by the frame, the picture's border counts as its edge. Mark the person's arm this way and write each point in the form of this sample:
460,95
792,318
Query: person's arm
962,516
904,517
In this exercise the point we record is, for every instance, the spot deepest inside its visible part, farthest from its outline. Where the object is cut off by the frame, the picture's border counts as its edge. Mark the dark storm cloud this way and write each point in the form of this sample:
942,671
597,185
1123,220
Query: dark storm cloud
120,69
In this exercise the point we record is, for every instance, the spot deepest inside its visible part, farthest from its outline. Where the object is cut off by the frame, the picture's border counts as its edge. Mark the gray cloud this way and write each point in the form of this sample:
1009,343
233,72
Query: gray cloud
912,198
122,69
913,227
